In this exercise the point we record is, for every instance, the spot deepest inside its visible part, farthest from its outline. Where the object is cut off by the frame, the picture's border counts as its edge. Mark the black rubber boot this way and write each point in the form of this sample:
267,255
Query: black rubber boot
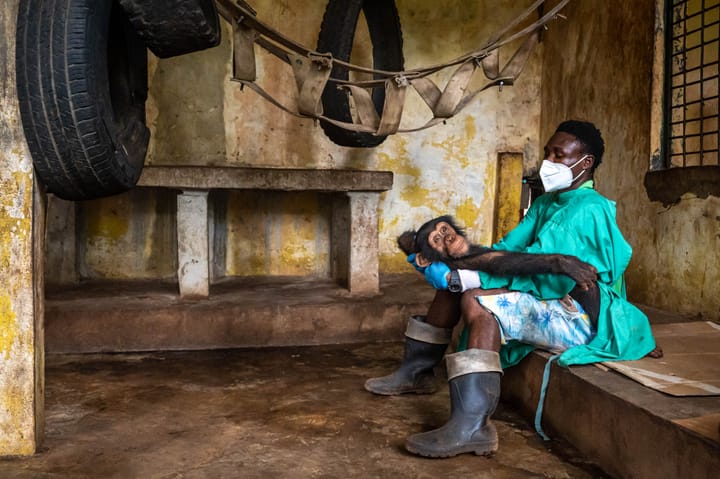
473,398
415,374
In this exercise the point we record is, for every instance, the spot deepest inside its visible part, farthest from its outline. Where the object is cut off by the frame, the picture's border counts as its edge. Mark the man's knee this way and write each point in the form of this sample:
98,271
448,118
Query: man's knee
470,307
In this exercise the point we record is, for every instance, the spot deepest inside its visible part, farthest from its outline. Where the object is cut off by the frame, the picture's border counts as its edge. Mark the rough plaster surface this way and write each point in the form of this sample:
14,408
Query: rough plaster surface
604,54
20,385
198,116
129,236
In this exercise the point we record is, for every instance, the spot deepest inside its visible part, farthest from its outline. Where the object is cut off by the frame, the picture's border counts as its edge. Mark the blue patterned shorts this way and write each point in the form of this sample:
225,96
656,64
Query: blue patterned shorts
555,325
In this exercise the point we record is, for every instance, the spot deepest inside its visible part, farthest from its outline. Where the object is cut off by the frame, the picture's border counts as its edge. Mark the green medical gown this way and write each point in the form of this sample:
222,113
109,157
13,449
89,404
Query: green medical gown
581,223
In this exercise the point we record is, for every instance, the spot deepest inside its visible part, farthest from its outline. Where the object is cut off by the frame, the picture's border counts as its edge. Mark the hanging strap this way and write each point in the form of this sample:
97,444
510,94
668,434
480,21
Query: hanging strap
311,75
312,72
240,11
243,52
541,401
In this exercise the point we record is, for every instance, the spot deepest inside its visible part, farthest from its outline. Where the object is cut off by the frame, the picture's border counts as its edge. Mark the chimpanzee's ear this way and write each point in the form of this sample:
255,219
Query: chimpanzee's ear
421,261
406,242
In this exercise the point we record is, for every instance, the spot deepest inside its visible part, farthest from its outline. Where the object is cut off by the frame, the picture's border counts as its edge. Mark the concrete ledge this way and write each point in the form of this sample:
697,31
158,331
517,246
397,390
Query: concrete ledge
279,179
621,425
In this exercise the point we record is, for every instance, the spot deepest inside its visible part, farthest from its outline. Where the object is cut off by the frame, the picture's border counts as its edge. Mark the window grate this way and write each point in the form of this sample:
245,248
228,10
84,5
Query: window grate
691,103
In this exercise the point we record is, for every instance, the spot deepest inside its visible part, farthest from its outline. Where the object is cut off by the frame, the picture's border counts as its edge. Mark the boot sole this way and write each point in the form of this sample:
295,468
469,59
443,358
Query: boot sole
397,392
479,449
425,385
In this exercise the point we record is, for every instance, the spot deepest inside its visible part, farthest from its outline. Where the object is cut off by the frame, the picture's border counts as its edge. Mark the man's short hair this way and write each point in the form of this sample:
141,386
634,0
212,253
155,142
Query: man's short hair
588,135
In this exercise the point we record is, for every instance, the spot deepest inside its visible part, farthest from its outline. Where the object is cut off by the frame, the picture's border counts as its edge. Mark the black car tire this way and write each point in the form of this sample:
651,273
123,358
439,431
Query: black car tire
337,33
175,27
82,86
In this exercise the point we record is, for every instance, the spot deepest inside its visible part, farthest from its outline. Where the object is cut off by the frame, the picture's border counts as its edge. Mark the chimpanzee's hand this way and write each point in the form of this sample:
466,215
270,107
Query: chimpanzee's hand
583,273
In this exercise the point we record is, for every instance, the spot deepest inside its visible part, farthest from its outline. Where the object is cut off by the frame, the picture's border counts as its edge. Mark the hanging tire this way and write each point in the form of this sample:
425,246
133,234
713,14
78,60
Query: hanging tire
82,86
175,27
337,33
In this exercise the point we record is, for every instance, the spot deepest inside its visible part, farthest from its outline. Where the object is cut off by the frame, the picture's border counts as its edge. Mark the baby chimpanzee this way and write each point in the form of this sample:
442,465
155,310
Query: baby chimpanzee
442,240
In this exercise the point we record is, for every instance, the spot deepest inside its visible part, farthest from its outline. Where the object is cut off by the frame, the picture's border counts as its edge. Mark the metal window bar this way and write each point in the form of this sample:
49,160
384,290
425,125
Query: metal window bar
691,90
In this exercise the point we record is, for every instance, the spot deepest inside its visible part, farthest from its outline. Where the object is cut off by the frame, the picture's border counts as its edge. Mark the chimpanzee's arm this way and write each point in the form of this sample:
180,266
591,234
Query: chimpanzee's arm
510,263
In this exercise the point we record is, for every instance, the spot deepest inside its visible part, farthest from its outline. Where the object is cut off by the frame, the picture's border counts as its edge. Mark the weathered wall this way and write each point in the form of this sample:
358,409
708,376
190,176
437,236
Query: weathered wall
599,67
21,336
197,116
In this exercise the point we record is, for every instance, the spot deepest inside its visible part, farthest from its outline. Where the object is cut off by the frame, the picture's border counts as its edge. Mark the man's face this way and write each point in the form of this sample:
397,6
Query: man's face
564,148
447,242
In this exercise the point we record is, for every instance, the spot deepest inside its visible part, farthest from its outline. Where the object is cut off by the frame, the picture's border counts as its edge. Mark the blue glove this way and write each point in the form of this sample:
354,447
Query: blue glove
437,274
411,260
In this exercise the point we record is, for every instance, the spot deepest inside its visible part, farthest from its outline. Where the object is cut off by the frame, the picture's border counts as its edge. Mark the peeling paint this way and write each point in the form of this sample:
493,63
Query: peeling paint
468,213
15,431
17,191
456,149
416,196
8,326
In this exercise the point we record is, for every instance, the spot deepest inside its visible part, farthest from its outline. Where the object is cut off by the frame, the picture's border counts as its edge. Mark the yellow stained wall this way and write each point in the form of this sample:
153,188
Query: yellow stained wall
599,66
198,116
21,307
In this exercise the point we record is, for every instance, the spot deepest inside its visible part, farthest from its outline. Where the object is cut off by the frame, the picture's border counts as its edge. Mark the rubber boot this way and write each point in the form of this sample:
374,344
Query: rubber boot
425,347
474,394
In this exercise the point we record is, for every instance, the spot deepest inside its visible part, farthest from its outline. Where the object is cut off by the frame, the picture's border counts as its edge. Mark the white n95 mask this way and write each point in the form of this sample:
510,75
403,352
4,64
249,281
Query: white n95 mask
557,176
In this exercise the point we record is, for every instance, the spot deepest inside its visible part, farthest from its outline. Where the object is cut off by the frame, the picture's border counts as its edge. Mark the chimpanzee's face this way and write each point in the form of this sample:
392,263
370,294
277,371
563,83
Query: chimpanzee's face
448,242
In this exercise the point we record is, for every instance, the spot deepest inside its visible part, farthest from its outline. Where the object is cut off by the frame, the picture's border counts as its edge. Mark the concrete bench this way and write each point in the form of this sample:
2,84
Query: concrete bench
354,221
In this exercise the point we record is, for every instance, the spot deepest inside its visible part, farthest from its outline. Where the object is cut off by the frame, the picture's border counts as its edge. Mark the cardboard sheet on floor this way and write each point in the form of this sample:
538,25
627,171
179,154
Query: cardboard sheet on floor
691,362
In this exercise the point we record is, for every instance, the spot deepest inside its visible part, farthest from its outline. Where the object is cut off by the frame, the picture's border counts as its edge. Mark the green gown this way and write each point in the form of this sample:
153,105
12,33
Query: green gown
581,223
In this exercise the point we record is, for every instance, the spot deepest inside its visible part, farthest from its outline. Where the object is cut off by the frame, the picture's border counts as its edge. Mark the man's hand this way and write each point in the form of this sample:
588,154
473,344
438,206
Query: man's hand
583,273
437,274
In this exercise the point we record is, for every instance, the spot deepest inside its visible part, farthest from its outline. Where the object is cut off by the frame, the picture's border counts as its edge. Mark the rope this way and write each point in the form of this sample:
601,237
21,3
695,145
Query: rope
312,72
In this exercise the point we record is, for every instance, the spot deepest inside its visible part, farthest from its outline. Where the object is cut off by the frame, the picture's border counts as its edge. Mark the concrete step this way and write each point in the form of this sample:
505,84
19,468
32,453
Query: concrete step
114,316
630,430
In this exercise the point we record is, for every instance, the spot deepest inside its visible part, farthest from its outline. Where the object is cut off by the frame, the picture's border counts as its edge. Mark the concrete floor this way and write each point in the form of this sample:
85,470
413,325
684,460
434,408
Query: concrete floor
258,413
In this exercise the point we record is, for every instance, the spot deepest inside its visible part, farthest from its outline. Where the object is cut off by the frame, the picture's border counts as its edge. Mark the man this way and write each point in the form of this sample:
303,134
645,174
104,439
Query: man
512,314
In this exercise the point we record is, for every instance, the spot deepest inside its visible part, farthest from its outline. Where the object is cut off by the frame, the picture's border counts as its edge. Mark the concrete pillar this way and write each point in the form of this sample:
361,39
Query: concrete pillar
193,244
21,292
363,253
